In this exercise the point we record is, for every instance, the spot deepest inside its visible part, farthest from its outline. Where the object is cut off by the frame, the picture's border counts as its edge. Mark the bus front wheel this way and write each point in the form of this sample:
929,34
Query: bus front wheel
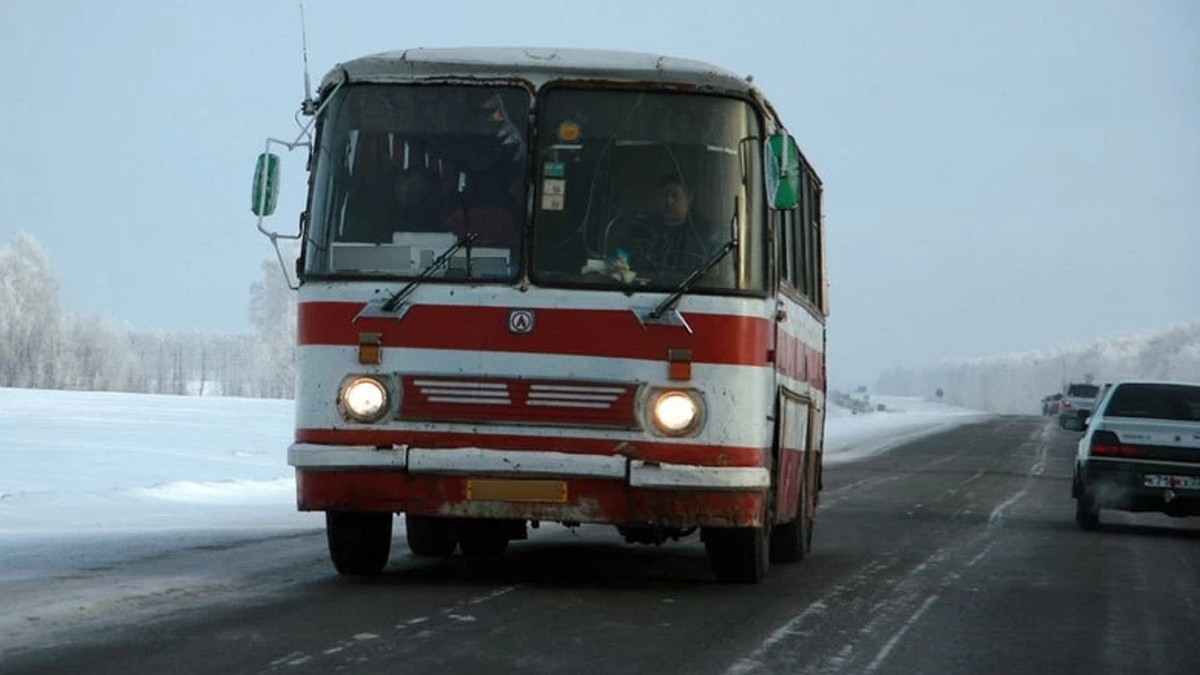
738,554
359,543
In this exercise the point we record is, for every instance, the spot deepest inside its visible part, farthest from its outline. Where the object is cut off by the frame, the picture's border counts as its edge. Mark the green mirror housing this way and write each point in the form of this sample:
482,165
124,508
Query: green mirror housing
266,185
783,172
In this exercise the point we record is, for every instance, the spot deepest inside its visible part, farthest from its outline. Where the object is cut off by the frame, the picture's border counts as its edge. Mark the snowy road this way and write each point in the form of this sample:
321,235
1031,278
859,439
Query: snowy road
952,553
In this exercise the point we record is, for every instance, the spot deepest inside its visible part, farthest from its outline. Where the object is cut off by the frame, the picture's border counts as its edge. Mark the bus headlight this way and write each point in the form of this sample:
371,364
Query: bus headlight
676,412
364,399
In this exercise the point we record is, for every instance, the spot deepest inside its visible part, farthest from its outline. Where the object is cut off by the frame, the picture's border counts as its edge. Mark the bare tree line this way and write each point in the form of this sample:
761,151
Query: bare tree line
43,347
1016,383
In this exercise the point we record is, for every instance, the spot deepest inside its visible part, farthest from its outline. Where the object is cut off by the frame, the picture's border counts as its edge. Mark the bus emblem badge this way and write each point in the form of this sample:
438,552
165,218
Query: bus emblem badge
520,321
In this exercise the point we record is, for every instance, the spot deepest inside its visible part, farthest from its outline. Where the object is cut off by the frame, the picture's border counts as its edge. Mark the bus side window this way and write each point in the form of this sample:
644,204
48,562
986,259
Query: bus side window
806,210
818,287
787,252
800,246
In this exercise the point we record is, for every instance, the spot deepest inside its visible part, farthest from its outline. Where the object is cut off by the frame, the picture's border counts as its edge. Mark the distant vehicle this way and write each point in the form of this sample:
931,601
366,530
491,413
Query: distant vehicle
1076,404
858,402
1141,452
1050,404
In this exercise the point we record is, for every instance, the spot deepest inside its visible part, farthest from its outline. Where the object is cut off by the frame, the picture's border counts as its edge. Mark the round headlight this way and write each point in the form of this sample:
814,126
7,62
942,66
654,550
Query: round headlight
675,413
365,399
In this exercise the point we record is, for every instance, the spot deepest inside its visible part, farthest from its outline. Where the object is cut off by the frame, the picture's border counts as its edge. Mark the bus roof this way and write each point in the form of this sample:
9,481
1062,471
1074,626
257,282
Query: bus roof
539,65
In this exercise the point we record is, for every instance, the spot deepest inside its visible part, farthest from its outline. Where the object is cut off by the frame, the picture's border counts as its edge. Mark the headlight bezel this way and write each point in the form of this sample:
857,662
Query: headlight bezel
658,397
352,382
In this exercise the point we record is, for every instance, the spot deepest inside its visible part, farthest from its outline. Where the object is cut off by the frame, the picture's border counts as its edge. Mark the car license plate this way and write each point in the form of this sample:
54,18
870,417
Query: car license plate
1164,481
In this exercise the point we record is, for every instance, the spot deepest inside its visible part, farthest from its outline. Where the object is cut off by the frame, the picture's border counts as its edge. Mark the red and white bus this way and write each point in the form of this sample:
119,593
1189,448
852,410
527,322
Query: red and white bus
556,285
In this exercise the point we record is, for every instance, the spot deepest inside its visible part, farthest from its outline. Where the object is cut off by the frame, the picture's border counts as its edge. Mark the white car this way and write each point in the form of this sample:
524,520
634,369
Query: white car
1140,451
1076,404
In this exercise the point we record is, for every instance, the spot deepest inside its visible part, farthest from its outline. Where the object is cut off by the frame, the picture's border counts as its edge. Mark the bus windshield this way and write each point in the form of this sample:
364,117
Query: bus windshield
404,171
639,190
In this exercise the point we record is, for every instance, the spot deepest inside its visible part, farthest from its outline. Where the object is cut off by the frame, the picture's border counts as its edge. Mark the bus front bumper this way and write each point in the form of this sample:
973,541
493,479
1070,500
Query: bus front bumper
527,484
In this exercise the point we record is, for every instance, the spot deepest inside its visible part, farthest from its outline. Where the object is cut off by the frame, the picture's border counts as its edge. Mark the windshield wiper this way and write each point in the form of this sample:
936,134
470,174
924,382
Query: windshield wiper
394,301
692,278
700,271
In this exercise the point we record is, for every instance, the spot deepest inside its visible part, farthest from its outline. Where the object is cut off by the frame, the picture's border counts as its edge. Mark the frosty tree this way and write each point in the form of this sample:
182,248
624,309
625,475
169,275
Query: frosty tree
273,316
30,318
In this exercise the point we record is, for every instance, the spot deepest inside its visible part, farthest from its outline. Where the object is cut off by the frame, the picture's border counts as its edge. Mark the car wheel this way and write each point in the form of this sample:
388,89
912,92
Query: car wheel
430,536
359,543
1087,514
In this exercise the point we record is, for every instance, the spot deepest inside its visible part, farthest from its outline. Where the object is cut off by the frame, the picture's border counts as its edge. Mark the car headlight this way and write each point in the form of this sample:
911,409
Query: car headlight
676,412
364,399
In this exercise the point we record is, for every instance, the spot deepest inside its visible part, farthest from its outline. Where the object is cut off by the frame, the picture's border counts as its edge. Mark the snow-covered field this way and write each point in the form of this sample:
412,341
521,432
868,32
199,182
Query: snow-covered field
108,498
102,463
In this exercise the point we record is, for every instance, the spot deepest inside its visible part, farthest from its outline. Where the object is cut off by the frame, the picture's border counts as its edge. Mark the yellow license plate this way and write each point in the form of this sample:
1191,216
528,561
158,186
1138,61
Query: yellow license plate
505,490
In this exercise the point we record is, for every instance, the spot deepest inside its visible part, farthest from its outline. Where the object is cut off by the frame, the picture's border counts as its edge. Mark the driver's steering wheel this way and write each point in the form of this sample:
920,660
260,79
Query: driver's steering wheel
621,229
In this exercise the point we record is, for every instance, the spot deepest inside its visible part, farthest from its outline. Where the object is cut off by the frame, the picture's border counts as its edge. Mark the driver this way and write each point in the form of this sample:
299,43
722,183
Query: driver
673,239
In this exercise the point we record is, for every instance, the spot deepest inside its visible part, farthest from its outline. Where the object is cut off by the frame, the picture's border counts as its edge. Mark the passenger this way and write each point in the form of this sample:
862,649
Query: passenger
417,202
485,210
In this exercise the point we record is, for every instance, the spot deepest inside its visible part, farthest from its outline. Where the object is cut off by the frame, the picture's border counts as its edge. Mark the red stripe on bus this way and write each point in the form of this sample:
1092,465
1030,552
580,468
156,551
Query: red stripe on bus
721,339
715,338
696,454
799,361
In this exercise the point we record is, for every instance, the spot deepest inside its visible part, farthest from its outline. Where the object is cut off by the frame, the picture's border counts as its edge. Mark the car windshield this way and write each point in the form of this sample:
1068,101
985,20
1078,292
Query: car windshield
403,172
639,190
1083,390
1156,401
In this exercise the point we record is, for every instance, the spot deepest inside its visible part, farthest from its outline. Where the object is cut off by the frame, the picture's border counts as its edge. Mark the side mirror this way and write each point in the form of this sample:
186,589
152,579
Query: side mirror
265,192
783,172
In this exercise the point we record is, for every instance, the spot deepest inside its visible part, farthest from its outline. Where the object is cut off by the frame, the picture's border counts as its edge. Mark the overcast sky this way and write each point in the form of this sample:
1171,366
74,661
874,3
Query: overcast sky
999,175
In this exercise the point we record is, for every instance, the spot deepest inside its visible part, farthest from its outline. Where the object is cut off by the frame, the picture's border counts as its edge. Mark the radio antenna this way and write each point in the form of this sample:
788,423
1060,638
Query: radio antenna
308,107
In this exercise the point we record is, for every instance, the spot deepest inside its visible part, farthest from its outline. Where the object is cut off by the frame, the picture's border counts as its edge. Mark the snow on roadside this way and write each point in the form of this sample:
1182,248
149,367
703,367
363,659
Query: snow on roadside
86,464
850,437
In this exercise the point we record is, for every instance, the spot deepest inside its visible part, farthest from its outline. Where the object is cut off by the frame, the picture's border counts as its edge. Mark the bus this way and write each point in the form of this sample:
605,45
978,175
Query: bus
563,286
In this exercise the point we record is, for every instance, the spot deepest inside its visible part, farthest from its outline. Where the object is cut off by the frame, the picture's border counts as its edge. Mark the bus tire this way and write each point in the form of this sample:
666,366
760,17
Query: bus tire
483,539
738,554
359,543
430,536
483,547
791,541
